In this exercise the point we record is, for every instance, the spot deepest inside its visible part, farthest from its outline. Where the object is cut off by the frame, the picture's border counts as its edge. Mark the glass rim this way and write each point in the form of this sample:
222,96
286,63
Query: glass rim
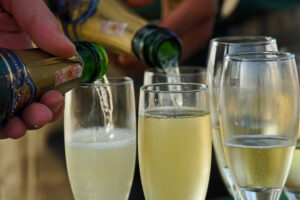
238,40
200,71
244,56
117,80
202,88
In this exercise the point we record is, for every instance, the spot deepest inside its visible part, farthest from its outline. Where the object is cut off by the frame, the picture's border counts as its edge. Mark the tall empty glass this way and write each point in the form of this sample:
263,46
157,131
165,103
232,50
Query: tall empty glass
218,48
259,115
174,141
100,139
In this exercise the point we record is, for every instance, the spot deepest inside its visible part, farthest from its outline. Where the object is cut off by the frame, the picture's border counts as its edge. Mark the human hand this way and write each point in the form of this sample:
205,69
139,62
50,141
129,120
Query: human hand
35,115
20,23
191,20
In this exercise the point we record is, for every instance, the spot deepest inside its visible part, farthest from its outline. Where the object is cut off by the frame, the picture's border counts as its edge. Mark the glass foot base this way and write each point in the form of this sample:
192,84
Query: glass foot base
259,194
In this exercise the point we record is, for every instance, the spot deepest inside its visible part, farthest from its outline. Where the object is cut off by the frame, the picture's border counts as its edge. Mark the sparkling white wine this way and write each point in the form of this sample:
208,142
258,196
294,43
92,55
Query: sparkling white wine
293,180
174,153
106,101
221,160
100,165
259,161
171,68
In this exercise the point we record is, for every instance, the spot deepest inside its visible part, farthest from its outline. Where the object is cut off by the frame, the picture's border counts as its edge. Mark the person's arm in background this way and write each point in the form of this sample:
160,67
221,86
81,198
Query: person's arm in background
23,21
191,20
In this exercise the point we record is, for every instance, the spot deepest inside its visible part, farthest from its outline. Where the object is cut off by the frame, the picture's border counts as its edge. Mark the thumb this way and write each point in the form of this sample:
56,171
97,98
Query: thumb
40,24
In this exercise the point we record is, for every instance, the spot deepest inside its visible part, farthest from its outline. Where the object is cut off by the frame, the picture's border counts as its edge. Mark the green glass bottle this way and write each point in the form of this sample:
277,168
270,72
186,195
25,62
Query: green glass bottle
112,24
27,74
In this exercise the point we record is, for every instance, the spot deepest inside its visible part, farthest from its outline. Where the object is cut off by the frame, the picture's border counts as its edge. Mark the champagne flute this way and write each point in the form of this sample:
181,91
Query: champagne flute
259,114
100,153
174,141
218,48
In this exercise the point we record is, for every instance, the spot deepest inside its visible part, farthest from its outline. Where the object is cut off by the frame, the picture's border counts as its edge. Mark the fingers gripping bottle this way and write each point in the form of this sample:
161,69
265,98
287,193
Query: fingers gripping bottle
26,74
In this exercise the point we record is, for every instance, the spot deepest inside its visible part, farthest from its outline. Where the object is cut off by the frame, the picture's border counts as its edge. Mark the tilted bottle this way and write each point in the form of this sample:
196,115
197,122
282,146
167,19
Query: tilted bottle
112,24
26,74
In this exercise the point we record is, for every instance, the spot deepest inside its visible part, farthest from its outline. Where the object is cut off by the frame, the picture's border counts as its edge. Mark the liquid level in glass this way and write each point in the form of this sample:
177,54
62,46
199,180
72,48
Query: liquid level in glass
259,161
221,161
174,154
101,167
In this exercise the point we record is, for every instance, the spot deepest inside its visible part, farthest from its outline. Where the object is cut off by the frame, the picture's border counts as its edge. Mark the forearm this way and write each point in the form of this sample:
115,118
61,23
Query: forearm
196,39
192,21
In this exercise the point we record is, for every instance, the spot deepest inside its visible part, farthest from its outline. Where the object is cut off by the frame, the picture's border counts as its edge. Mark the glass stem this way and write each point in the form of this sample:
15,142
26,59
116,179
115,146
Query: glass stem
236,193
260,194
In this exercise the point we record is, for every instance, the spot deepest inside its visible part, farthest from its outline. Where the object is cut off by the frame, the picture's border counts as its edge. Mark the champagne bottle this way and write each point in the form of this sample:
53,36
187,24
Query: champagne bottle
112,24
26,74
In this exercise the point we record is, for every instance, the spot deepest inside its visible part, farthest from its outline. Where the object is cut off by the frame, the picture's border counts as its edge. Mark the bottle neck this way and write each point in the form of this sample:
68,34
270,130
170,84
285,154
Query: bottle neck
95,60
156,46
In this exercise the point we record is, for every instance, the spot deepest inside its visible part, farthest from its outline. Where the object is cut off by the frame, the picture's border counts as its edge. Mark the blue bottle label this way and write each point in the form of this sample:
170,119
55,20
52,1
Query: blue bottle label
65,11
21,89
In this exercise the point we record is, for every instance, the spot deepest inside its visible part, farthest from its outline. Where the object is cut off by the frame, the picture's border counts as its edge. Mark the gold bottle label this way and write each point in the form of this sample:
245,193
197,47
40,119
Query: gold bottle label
81,20
67,74
112,28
